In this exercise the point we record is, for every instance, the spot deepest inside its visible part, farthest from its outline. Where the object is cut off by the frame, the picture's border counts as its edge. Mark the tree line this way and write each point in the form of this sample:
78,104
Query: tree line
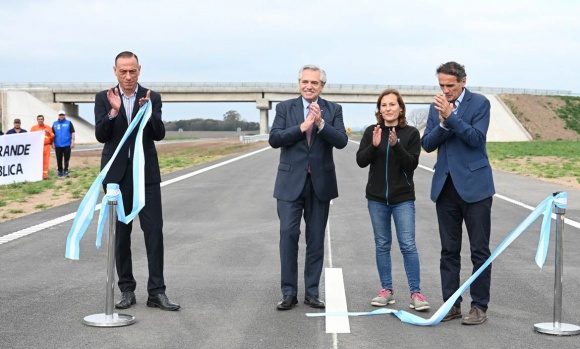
232,120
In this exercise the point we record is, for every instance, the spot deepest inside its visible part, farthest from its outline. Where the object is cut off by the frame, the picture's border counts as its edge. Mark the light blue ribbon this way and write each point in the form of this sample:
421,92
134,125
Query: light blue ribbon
545,208
87,207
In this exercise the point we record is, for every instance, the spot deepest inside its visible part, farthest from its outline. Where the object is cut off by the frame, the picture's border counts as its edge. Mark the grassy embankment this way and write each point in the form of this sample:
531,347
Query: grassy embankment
545,159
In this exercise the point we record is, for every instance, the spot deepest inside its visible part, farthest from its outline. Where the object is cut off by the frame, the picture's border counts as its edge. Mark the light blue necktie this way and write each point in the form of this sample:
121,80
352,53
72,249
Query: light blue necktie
87,207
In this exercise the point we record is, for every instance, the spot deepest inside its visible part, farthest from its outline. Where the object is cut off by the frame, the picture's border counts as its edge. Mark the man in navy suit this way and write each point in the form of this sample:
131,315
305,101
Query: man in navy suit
462,186
306,130
114,110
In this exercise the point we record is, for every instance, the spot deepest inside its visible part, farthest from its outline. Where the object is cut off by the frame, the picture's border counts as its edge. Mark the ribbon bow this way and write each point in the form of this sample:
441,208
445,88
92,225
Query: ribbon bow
88,205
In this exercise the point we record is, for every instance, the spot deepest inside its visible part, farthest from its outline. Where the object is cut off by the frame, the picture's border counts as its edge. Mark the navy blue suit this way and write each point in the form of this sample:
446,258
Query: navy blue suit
462,188
299,192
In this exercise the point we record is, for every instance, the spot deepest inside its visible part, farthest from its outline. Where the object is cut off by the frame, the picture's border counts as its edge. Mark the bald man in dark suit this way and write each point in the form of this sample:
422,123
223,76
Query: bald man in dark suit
114,110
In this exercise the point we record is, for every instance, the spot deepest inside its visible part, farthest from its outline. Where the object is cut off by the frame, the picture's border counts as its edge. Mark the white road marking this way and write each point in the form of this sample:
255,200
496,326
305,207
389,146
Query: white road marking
38,227
335,301
335,295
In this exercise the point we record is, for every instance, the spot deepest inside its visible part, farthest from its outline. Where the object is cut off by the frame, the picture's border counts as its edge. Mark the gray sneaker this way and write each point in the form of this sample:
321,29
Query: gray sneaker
384,298
419,302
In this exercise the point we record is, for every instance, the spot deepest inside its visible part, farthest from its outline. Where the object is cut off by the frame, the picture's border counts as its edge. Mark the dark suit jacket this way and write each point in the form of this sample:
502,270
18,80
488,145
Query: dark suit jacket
296,156
461,149
110,132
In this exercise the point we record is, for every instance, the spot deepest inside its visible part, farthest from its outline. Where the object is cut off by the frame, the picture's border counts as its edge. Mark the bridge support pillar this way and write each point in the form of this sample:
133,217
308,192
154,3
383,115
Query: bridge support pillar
70,109
264,106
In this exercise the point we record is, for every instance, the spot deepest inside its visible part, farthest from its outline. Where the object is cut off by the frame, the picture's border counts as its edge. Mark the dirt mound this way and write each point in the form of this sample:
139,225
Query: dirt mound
538,116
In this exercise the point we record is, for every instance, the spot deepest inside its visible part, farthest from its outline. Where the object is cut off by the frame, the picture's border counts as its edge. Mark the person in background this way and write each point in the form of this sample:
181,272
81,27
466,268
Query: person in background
16,129
392,148
462,185
48,138
64,142
306,129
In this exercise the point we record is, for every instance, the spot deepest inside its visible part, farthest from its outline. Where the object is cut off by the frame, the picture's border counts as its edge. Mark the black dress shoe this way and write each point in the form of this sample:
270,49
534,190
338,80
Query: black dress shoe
127,300
314,302
287,302
161,301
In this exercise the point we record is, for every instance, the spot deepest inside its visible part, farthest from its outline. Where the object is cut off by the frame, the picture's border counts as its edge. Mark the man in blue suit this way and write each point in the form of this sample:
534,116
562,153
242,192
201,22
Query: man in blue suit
306,130
462,186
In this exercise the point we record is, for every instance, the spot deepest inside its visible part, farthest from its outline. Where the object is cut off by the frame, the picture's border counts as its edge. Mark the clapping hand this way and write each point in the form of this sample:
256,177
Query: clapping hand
393,137
115,101
146,99
377,132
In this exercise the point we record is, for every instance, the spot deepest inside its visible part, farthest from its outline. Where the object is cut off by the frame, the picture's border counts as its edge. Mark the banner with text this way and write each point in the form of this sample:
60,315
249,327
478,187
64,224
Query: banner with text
21,157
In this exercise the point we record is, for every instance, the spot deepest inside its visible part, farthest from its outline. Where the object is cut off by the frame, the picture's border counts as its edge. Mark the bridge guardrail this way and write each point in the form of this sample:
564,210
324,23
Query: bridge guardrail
252,139
272,85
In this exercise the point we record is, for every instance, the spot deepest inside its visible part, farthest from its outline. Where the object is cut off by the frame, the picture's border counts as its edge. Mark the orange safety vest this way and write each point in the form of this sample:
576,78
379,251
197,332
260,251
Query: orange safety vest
48,134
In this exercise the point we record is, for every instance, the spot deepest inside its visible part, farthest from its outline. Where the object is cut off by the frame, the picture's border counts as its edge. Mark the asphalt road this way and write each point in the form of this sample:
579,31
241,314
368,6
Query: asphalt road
222,266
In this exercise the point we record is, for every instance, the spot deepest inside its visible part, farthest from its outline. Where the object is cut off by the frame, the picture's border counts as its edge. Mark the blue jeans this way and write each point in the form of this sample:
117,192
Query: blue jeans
404,217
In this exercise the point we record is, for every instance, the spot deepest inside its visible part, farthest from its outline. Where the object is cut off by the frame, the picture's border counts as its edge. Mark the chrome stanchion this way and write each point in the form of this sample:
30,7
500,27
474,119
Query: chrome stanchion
557,327
110,319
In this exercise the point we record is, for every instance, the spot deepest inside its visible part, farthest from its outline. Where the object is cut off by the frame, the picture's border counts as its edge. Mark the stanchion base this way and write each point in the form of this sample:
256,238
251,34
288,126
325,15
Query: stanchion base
104,320
563,330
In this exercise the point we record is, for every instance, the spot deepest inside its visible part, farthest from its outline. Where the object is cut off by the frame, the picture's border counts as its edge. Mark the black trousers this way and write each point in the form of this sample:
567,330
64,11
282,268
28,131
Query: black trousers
151,221
452,210
60,153
315,216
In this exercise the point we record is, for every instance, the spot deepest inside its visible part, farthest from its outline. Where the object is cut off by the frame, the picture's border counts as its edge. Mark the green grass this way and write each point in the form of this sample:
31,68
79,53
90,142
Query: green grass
547,159
570,112
192,156
21,192
507,150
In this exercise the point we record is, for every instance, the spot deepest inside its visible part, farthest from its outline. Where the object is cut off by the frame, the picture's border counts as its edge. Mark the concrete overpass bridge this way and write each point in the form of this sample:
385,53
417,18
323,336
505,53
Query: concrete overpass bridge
67,96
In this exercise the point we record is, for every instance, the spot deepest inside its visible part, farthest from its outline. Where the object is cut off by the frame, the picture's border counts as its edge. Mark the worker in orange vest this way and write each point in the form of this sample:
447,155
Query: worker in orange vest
48,137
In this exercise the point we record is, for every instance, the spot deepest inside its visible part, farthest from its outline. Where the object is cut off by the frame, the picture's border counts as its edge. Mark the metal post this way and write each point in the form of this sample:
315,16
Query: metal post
110,319
557,327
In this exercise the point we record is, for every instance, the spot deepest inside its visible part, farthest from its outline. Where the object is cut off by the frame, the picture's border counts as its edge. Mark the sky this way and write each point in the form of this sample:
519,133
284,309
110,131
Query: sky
502,43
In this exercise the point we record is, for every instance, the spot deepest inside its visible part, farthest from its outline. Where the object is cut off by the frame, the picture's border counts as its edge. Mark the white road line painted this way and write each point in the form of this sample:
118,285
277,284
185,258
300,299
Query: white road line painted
335,294
329,243
335,301
195,173
38,227
71,216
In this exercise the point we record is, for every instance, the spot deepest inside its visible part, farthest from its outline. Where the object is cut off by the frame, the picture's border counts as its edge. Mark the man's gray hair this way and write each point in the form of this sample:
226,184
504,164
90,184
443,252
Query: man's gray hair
315,68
